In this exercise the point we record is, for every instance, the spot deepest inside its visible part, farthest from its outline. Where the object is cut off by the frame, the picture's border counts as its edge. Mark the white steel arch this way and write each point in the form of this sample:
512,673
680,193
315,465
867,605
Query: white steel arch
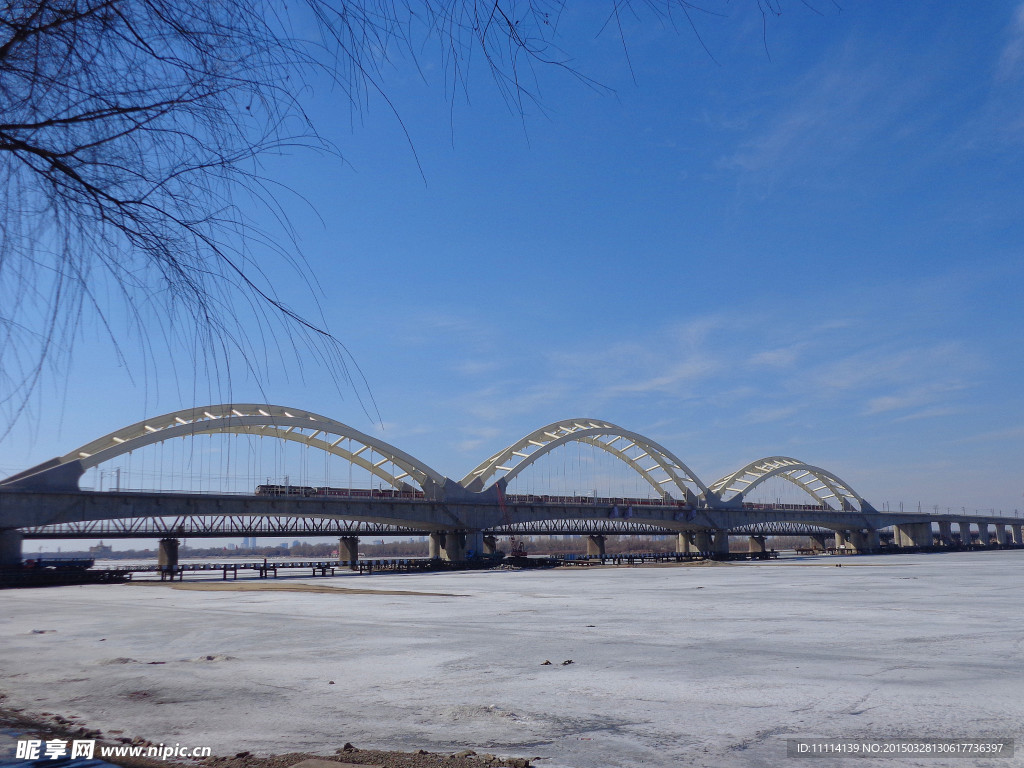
391,465
820,484
664,471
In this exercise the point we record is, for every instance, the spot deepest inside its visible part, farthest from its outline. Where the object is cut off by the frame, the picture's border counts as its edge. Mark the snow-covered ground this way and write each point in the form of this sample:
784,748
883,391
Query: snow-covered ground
700,665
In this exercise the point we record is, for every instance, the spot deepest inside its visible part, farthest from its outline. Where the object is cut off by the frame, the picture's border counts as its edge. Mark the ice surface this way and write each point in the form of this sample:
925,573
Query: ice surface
713,665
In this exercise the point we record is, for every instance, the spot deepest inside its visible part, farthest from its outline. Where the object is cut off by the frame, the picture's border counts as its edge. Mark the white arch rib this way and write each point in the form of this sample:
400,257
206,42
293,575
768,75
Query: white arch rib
394,467
631,448
822,485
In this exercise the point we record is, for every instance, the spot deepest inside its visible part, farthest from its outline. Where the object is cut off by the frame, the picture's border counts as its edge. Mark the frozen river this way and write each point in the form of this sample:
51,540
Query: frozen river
699,665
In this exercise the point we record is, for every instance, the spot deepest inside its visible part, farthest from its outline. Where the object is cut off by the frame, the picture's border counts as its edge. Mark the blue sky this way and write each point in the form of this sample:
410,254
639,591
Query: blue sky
806,240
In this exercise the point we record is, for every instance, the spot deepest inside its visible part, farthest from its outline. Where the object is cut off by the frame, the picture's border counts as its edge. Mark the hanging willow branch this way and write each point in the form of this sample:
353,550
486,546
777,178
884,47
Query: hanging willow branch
130,139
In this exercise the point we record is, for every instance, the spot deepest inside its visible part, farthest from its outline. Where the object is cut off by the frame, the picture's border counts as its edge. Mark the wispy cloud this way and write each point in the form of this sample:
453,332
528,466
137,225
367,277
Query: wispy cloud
929,413
849,102
768,415
781,357
478,367
915,398
995,436
1011,59
670,380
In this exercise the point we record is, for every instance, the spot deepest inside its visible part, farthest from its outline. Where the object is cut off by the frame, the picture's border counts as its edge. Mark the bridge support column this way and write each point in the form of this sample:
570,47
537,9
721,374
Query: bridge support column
595,545
474,544
684,543
490,545
873,540
1015,534
945,534
921,535
842,539
984,535
167,554
721,542
702,541
755,544
818,542
10,548
965,534
348,551
1004,538
914,535
434,547
857,542
453,547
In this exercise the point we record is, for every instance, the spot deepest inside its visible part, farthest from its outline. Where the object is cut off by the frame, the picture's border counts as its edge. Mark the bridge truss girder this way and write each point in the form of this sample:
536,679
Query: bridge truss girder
188,526
210,526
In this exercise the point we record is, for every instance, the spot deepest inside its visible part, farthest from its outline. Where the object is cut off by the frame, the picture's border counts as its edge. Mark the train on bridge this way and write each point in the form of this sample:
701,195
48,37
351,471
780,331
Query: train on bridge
310,491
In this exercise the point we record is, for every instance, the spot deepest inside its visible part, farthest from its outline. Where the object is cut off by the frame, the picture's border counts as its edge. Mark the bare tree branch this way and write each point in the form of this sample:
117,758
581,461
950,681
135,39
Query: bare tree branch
130,135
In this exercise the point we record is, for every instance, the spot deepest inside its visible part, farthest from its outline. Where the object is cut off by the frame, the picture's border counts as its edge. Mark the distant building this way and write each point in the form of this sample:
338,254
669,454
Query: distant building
101,550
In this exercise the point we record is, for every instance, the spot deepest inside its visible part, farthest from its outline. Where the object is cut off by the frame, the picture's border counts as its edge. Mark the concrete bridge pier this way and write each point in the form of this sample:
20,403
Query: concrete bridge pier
928,533
721,542
10,548
945,534
874,540
474,544
436,541
984,535
914,535
595,545
348,551
756,544
684,543
842,540
1006,534
994,536
818,542
490,545
998,535
167,554
858,542
965,534
1015,534
453,546
702,540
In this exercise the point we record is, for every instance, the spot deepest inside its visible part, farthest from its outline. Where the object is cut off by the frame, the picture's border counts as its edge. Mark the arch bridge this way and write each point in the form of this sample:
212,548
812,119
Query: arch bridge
47,500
